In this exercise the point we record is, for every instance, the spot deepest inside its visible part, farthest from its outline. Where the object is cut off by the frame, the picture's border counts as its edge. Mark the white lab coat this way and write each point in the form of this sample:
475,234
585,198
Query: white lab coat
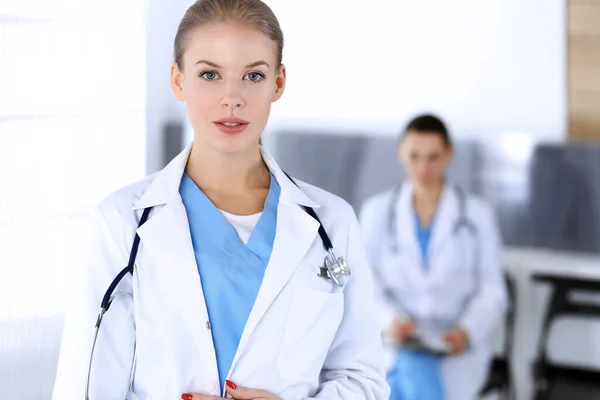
305,336
440,296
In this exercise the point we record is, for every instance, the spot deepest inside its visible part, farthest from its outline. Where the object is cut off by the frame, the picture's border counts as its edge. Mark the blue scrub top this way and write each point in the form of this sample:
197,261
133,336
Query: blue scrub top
423,236
231,272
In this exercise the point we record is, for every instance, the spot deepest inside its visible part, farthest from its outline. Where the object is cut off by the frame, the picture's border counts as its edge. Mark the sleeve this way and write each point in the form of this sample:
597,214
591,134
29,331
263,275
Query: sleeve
113,353
490,301
354,365
373,223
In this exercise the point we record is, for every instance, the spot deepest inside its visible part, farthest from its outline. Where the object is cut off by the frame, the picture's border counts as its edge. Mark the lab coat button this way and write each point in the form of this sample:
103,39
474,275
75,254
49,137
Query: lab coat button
208,325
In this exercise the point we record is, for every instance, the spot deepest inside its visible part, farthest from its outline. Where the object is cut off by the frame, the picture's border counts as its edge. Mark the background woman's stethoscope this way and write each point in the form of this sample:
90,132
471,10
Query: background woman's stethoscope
334,268
462,222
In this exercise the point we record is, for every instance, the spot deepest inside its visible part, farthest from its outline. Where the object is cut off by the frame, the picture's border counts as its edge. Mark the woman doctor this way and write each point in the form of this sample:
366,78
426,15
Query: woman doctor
226,297
436,256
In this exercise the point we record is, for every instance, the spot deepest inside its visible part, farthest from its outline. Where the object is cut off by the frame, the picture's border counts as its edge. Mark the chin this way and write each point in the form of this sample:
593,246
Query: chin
233,144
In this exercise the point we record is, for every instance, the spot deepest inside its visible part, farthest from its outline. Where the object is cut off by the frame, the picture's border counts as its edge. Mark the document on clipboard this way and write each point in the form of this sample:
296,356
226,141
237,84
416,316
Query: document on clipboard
419,342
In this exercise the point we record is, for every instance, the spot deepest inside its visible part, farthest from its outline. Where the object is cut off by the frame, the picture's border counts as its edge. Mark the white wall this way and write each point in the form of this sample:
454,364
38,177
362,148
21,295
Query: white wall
487,66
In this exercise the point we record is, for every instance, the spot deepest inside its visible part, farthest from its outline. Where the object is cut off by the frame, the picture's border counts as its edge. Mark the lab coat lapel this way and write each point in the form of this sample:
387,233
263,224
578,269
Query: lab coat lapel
296,231
443,223
166,237
167,240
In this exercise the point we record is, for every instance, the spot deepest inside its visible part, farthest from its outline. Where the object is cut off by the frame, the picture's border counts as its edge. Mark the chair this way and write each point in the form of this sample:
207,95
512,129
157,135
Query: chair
500,377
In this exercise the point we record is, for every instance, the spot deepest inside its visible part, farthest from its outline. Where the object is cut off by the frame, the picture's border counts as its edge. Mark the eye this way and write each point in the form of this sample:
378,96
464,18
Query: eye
254,76
209,75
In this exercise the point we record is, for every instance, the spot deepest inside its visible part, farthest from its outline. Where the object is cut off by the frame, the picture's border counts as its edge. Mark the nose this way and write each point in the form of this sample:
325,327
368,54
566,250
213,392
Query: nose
233,102
421,166
233,98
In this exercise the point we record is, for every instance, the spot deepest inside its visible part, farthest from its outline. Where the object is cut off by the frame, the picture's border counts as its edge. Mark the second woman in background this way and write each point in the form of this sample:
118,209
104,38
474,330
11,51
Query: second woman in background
436,254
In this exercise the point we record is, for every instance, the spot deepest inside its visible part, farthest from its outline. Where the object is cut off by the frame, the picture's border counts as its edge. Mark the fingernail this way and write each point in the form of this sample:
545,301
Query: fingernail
187,396
230,384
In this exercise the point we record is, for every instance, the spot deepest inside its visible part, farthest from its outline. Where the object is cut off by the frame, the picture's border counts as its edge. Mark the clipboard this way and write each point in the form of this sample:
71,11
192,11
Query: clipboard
416,342
427,345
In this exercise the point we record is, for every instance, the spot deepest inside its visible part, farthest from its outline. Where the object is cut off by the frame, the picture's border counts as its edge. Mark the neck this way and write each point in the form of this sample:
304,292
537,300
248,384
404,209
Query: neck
215,171
427,196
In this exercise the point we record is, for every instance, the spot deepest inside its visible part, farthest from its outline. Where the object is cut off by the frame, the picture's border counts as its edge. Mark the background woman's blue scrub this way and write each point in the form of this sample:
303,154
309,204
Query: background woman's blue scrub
417,375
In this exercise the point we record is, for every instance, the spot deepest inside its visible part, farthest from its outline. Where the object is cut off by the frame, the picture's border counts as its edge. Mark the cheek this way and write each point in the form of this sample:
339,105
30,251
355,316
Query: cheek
438,166
414,169
261,92
200,101
259,99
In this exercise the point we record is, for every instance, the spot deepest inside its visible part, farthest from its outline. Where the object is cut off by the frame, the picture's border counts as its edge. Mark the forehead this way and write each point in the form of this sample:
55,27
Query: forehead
424,142
229,44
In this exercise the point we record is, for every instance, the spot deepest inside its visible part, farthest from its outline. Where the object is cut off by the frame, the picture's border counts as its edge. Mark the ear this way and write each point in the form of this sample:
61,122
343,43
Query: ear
177,82
280,80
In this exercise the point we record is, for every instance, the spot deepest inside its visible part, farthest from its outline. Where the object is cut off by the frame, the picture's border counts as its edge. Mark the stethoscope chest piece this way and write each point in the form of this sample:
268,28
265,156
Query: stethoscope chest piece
334,268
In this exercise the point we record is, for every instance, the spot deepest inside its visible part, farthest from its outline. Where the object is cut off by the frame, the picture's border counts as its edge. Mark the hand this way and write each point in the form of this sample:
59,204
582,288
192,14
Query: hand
402,329
237,392
457,338
244,393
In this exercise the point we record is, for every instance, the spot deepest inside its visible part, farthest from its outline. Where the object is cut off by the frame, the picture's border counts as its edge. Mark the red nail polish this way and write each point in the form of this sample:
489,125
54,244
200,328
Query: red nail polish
231,384
187,396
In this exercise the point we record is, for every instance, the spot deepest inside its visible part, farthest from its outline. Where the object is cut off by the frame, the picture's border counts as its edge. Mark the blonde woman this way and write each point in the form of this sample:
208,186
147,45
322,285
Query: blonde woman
244,282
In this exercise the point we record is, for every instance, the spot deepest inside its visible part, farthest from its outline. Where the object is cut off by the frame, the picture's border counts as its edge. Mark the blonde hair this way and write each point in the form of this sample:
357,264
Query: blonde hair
252,12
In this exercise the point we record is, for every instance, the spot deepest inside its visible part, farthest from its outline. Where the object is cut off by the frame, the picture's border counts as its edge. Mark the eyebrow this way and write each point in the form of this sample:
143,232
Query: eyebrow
251,65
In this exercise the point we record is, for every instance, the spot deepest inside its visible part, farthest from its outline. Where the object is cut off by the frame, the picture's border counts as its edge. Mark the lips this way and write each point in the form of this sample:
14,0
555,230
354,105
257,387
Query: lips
231,125
231,120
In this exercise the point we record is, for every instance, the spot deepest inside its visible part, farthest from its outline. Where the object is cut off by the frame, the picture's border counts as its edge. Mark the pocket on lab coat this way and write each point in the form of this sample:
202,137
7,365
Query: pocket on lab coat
311,324
131,396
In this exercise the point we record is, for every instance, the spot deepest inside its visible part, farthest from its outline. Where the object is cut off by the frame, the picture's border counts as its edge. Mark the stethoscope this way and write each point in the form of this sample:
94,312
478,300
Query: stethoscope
334,268
462,222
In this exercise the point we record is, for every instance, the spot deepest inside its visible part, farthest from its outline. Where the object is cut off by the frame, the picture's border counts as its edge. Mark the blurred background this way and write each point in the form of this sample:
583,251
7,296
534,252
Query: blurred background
86,108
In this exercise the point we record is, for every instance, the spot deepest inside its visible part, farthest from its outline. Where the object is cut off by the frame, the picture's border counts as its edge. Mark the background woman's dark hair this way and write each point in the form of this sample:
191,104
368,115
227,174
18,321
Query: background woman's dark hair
428,124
